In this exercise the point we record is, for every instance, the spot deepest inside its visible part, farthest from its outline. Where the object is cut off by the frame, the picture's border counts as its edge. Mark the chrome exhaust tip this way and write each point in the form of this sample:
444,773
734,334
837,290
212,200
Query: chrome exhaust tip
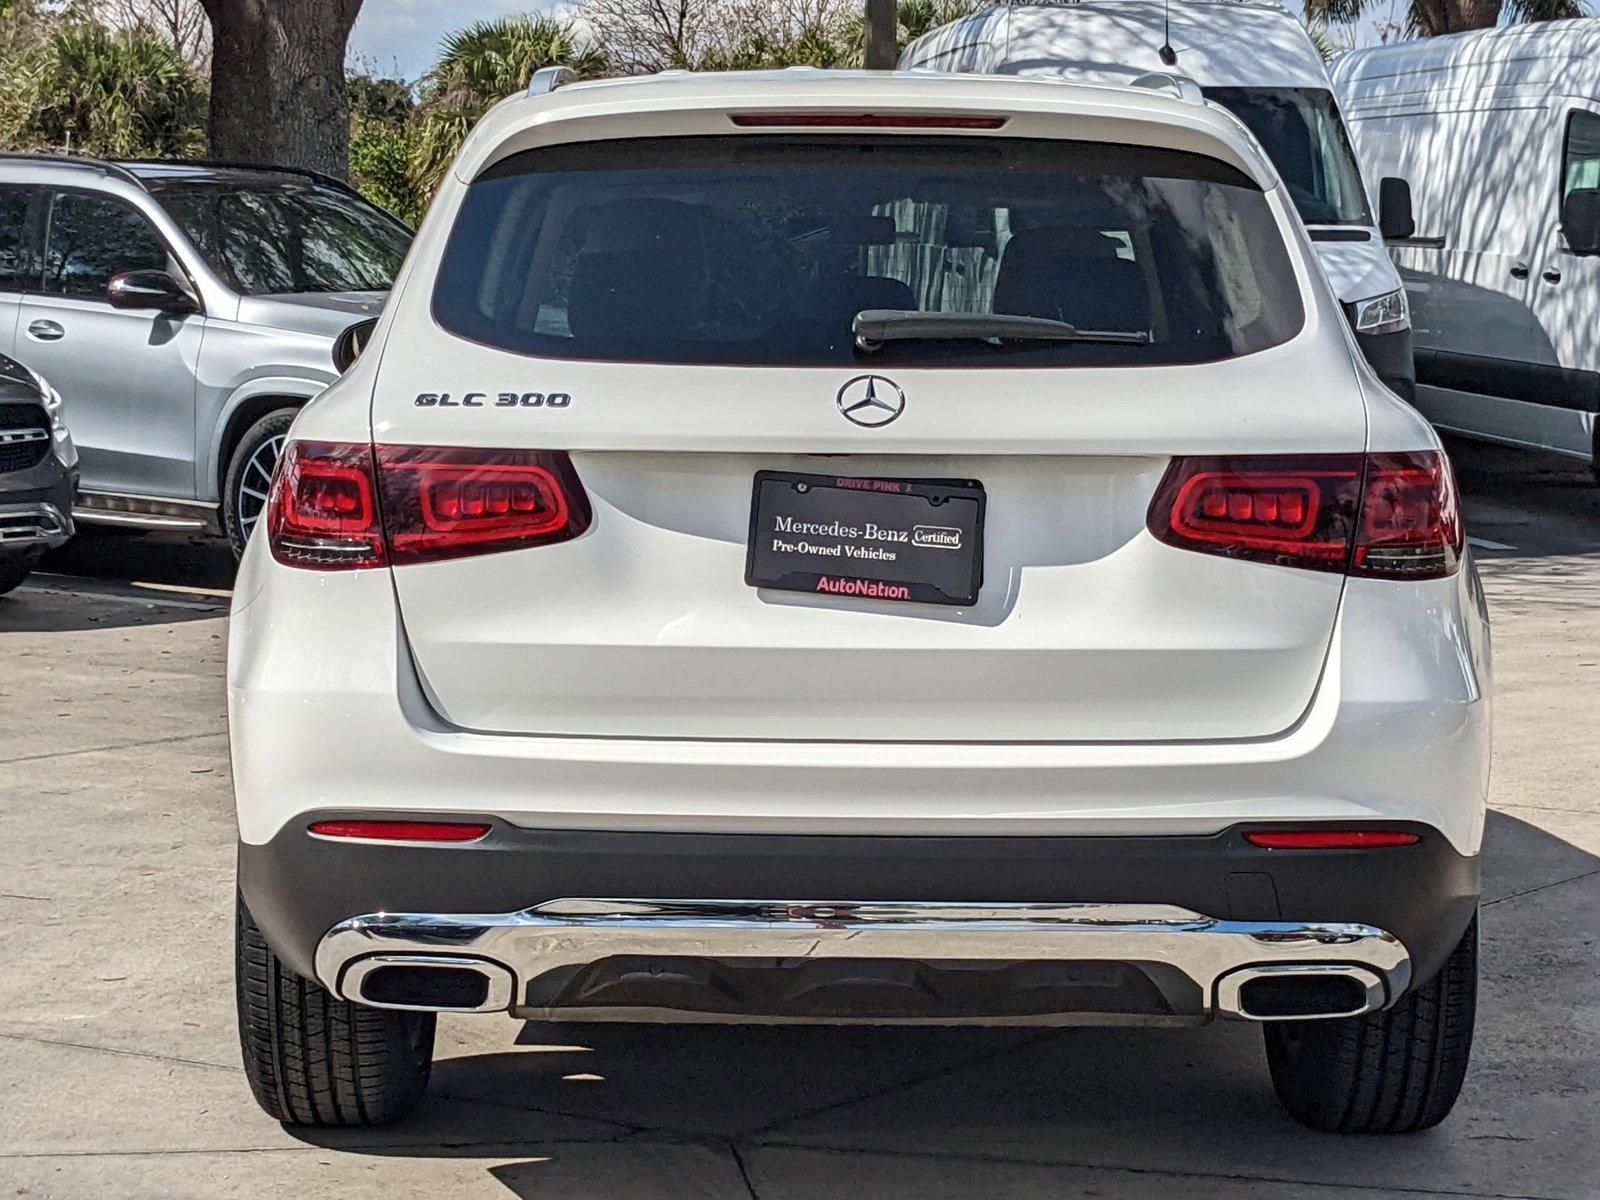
1299,992
428,983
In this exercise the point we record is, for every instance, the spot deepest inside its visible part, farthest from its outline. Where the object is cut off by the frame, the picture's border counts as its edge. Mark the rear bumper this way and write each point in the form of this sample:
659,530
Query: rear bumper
1146,928
326,710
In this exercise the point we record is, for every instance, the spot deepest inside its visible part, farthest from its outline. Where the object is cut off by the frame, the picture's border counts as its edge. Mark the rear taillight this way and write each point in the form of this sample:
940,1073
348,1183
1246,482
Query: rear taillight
1391,516
322,510
330,510
445,502
1411,525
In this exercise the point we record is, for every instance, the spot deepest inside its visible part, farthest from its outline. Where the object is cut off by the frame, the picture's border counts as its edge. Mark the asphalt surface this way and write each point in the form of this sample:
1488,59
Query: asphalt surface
119,1068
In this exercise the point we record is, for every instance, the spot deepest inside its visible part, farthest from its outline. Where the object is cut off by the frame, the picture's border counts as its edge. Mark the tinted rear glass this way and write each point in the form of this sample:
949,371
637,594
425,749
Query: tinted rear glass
760,251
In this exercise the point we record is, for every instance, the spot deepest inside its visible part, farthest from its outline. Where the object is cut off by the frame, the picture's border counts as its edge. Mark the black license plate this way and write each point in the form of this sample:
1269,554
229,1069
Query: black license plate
915,540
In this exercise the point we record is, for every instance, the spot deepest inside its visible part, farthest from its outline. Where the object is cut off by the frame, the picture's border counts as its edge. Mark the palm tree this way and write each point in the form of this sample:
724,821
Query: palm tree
479,66
1429,18
117,93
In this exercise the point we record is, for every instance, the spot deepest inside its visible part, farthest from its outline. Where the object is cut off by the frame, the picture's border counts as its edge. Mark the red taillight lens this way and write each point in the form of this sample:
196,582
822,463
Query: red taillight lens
1296,512
1332,839
322,509
827,120
1392,516
437,502
1411,525
444,502
401,831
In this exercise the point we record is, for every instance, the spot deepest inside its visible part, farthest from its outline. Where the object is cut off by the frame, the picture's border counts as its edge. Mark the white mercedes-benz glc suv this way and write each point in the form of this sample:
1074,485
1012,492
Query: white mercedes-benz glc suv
861,548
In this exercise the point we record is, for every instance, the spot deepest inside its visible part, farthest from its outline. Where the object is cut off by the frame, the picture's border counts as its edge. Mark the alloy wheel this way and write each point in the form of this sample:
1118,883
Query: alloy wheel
254,482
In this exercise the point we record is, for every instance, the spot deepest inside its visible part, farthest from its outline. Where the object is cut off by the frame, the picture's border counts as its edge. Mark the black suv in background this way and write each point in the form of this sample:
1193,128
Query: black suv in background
38,472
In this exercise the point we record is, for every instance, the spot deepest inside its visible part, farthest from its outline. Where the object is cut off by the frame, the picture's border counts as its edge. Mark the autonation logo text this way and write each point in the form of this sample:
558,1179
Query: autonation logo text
864,587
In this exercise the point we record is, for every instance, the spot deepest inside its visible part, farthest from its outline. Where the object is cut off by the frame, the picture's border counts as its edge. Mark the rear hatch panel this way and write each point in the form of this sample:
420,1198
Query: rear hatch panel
1086,628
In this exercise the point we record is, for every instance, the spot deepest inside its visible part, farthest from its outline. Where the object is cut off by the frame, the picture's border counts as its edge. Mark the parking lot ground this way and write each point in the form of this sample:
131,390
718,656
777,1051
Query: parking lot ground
119,1070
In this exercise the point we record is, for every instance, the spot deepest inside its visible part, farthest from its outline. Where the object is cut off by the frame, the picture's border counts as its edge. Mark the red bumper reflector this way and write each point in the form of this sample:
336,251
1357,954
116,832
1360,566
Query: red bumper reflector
1332,839
401,831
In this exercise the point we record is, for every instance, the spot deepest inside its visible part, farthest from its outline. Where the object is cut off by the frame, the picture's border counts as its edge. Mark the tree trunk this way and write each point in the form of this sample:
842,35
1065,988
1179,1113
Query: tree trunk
882,52
277,82
1456,16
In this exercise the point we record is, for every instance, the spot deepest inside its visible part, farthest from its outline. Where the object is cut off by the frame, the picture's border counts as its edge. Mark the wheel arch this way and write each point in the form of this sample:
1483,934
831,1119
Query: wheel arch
244,411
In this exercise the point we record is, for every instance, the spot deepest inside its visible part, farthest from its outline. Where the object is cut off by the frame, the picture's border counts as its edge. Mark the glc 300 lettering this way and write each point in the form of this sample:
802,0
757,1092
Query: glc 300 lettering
501,400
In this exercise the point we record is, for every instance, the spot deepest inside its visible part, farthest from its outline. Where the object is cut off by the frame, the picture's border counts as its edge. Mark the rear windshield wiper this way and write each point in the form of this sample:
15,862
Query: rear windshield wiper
875,326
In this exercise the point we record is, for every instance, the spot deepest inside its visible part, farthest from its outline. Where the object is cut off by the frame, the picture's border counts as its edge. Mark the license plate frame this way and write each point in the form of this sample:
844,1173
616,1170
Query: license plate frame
938,560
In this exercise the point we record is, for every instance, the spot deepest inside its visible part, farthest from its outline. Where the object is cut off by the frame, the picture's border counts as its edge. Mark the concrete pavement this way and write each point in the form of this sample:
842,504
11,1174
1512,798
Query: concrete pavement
119,1072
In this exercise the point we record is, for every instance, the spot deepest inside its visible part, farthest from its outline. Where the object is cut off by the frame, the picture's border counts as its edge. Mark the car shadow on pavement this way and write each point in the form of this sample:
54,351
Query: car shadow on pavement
118,579
179,560
629,1110
1523,503
46,605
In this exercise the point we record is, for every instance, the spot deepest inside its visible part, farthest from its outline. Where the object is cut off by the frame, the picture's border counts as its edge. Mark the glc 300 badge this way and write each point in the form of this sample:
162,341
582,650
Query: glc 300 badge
494,400
871,400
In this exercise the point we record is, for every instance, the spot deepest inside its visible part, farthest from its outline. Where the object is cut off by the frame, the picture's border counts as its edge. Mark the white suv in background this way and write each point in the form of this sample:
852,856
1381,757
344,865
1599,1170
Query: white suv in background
844,547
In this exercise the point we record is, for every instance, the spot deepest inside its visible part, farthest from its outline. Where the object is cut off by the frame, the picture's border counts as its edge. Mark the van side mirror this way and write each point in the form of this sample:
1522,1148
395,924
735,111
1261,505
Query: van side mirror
1395,220
1580,220
351,343
150,290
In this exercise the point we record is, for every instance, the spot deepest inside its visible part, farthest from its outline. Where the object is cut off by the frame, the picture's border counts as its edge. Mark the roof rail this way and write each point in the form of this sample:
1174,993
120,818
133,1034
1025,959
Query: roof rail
547,79
1181,86
219,164
74,160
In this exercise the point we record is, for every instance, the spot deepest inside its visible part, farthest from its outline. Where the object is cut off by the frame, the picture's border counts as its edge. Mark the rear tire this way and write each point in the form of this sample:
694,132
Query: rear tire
244,487
1395,1071
14,568
314,1059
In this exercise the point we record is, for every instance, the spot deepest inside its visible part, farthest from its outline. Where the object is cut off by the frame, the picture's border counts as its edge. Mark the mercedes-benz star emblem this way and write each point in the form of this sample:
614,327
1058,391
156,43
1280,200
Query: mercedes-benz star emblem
871,400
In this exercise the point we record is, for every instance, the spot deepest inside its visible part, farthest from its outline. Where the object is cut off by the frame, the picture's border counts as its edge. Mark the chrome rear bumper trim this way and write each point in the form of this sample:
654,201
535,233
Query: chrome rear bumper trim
576,932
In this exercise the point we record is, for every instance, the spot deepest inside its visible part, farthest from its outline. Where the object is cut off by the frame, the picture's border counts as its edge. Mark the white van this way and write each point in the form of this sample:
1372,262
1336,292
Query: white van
1497,134
1250,56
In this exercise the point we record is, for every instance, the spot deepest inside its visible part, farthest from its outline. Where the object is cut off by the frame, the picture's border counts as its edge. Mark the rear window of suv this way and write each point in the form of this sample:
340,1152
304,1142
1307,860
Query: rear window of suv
761,251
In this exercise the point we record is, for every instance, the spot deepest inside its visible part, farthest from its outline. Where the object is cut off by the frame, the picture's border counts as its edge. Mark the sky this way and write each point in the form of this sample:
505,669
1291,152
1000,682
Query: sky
402,36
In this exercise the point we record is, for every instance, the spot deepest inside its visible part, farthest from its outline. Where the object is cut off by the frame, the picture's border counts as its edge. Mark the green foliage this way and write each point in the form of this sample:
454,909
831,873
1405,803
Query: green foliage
382,139
479,66
380,165
374,99
124,93
1323,40
25,28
